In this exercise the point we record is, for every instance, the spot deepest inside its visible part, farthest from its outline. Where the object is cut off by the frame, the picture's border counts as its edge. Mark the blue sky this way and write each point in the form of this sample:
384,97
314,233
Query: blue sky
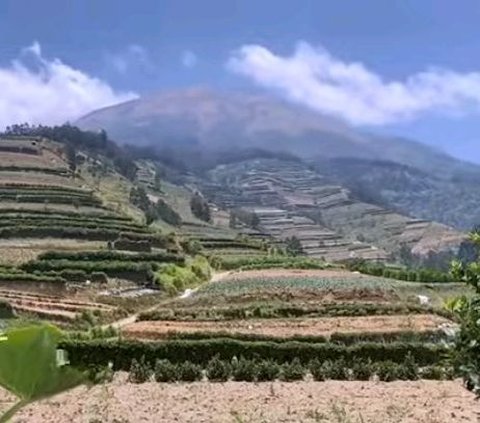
420,60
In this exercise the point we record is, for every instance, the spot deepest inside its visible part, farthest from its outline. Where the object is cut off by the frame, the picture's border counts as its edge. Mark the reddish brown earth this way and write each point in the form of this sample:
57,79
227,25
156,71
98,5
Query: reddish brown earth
288,327
326,402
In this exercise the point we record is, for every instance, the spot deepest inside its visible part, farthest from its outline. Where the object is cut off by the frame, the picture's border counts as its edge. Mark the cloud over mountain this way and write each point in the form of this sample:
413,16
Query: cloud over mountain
39,90
349,90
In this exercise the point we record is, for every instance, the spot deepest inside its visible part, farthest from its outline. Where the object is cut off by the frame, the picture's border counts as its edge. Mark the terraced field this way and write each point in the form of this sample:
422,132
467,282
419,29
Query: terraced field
292,200
50,307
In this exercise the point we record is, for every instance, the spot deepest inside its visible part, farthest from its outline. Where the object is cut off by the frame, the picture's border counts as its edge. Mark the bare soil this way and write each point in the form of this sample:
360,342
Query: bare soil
328,402
284,273
288,327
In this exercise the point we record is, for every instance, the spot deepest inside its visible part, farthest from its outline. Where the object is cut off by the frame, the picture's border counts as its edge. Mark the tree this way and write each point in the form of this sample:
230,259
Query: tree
294,246
466,356
200,207
30,367
71,154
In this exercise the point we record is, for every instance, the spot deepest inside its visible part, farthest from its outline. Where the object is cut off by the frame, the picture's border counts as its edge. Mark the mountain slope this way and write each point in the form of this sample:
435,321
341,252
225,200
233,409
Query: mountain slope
197,124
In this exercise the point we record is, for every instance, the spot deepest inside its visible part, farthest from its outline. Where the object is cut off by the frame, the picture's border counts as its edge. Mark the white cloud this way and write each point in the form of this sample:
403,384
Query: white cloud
132,57
189,59
315,78
50,91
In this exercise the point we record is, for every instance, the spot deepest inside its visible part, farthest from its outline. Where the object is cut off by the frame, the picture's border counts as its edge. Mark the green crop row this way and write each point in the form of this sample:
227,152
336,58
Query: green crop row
47,170
76,233
230,244
16,186
254,370
431,336
45,192
19,218
412,275
30,277
70,223
289,311
267,262
121,353
5,212
111,255
52,199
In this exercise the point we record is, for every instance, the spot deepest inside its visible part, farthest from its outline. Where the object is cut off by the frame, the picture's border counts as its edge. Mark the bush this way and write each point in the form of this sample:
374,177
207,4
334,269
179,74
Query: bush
387,371
165,371
317,370
335,370
362,370
433,373
292,371
140,371
189,372
409,369
218,370
6,310
267,370
244,370
100,374
121,352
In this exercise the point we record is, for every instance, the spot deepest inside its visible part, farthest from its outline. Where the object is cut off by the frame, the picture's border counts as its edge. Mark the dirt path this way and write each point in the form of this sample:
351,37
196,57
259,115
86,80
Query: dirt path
289,327
133,318
326,402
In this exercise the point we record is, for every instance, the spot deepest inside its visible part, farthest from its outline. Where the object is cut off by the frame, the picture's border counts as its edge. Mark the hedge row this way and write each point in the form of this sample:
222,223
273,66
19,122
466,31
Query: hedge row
279,311
52,199
431,336
16,186
230,244
30,277
121,353
41,191
54,217
74,224
417,275
112,255
48,170
245,370
266,262
80,233
64,213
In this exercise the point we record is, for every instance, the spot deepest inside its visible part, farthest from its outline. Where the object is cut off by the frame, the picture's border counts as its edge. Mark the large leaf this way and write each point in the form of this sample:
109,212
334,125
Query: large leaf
29,367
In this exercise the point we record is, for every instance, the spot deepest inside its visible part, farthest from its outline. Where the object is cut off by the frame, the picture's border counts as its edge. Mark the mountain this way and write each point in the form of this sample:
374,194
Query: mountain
199,123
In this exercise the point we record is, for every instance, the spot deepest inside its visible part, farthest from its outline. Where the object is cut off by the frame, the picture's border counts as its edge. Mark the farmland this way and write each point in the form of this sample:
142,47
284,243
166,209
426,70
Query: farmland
207,301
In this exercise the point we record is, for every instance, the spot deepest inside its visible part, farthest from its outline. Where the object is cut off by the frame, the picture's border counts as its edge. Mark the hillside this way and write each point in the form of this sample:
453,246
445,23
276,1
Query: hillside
292,200
198,128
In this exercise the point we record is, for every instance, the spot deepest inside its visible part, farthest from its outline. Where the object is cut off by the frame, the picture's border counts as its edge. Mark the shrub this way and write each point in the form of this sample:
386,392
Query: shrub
267,370
387,371
6,310
433,373
335,370
140,371
292,371
409,369
100,374
218,370
189,372
362,370
165,371
98,277
244,370
317,370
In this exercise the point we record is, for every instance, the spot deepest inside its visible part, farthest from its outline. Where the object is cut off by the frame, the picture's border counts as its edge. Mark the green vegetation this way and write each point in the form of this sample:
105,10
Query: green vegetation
30,367
416,275
267,262
174,278
200,208
466,356
272,310
6,310
251,285
121,353
111,255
